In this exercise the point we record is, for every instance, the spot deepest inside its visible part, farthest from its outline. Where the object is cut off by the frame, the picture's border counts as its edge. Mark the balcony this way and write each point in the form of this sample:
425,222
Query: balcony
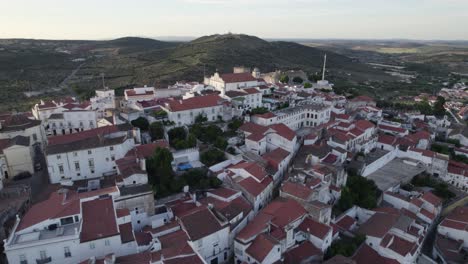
44,260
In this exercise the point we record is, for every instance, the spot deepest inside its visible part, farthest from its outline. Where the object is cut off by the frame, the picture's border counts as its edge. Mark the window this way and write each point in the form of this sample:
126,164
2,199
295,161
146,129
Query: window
75,154
77,165
59,157
90,152
23,259
91,163
34,137
43,254
60,167
107,242
67,252
66,221
76,218
111,148
92,245
112,157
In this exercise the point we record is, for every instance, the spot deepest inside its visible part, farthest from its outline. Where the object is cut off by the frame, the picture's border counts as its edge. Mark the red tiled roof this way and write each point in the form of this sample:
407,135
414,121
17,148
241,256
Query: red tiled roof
378,224
224,192
192,259
200,224
314,228
237,77
346,222
275,157
254,187
285,211
132,92
431,198
147,150
387,139
258,224
365,254
428,214
122,212
266,115
195,103
253,128
284,131
261,246
251,91
126,233
391,128
330,158
343,116
296,189
253,169
65,139
457,219
143,238
300,253
175,245
363,124
99,220
398,245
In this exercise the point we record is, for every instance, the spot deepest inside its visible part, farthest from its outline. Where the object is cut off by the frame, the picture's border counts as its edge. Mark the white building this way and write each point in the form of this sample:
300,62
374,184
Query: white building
234,81
89,154
71,227
245,99
71,121
16,157
303,115
103,101
184,112
12,125
261,139
139,94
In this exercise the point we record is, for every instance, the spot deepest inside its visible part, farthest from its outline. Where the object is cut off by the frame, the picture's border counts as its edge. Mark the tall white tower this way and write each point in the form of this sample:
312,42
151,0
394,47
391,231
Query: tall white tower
324,65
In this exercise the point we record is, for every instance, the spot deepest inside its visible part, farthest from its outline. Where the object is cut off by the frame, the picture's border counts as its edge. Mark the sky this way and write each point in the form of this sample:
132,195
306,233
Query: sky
315,19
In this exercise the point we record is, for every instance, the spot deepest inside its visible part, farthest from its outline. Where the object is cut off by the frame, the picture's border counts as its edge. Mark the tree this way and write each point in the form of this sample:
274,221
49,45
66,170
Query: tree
259,111
156,130
160,114
221,143
160,174
200,119
307,85
141,122
345,247
212,156
284,79
358,191
297,80
179,139
235,124
439,109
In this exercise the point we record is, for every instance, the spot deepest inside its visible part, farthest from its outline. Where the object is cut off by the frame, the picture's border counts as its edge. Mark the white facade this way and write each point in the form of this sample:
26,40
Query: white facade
104,99
72,121
87,163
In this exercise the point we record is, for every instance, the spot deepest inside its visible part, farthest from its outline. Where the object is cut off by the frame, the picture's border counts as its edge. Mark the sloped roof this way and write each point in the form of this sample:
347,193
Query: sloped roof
314,228
99,219
195,103
200,224
237,77
261,246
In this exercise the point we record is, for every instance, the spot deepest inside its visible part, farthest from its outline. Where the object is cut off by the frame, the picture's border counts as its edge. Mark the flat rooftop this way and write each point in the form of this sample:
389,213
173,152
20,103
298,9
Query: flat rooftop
395,172
41,235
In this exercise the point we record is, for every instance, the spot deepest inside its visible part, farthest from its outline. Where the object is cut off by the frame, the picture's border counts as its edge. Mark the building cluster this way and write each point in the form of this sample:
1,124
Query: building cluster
287,166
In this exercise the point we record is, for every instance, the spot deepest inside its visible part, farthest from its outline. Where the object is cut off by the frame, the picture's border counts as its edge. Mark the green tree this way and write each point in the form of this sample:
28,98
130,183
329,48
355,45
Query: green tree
358,191
156,130
141,122
212,156
176,135
284,79
307,85
160,114
297,80
345,247
160,174
439,109
221,143
235,124
200,119
259,111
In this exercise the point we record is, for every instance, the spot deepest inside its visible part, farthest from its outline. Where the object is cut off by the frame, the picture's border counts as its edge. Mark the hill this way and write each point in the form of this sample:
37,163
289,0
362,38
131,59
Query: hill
188,61
50,68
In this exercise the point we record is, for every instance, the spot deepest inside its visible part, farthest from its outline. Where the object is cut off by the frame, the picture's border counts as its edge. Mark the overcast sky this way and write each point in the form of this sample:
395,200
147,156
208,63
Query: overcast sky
104,19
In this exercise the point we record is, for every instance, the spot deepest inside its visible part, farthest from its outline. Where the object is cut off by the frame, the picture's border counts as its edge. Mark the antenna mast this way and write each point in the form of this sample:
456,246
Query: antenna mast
324,65
102,77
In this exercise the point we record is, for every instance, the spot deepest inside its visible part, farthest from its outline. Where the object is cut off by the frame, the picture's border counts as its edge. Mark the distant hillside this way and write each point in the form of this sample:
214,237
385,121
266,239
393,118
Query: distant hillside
41,65
189,60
